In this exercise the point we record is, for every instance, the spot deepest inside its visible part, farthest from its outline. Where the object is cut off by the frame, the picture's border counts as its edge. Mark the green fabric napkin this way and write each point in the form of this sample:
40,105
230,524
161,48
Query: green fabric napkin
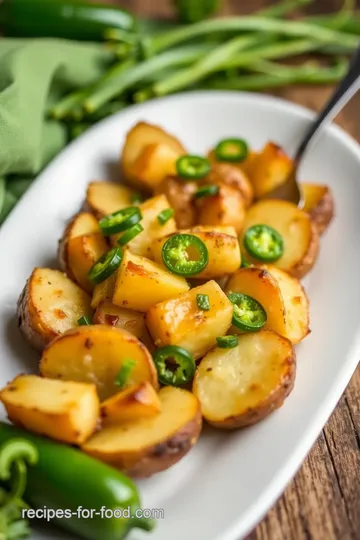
33,74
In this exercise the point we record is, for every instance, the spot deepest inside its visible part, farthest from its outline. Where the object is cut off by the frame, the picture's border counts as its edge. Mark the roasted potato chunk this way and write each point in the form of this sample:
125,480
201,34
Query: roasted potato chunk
154,163
269,169
50,304
300,236
296,304
319,204
146,446
180,195
223,249
140,401
127,319
83,252
104,198
103,291
141,283
232,176
179,320
225,208
149,150
261,285
153,229
95,353
81,224
81,246
241,386
64,411
281,295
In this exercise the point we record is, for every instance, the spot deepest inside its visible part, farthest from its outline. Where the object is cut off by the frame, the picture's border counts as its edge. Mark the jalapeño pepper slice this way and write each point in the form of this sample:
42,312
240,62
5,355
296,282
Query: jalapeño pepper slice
249,315
105,266
120,221
84,321
264,243
232,150
175,365
192,167
185,254
130,234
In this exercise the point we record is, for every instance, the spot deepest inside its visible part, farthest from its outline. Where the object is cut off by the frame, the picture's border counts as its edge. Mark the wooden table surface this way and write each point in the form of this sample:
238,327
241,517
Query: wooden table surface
323,501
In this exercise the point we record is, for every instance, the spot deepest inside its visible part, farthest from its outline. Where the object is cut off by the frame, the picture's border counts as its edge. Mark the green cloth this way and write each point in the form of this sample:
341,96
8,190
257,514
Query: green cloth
33,74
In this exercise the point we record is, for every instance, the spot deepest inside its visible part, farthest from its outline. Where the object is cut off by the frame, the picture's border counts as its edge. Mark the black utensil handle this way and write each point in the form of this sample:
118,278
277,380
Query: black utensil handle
349,85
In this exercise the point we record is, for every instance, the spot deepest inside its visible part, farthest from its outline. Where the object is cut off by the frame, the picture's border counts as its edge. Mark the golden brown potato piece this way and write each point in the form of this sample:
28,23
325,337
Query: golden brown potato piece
83,252
232,176
241,386
140,401
95,353
223,249
81,224
149,150
104,198
103,291
245,166
319,204
180,195
80,247
146,446
261,285
280,294
269,169
50,304
300,236
153,229
155,162
179,321
132,321
296,303
64,411
141,283
225,208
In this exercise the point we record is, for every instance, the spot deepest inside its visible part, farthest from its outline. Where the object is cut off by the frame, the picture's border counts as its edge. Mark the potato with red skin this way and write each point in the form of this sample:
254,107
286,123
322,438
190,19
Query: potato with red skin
226,207
230,175
319,204
180,195
49,305
300,236
143,447
149,155
240,386
96,353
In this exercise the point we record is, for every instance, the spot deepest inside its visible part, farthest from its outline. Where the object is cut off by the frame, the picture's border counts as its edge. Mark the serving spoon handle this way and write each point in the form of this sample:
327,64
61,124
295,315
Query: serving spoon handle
348,86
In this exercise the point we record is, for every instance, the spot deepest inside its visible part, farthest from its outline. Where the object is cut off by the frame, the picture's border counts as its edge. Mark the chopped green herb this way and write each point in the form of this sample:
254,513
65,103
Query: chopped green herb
124,373
227,342
84,321
165,215
203,301
206,191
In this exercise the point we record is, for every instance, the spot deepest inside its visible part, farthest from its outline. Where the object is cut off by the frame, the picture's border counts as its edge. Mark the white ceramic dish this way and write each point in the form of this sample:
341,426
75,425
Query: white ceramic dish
227,483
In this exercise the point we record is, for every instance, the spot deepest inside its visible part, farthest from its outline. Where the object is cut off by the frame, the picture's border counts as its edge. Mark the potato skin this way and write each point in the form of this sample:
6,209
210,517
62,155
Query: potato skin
95,353
162,440
30,317
285,372
180,196
28,320
225,208
162,456
322,209
304,266
234,177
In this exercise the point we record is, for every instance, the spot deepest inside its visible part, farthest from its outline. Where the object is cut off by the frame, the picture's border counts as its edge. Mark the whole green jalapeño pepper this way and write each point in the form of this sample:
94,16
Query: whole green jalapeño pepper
69,19
63,478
